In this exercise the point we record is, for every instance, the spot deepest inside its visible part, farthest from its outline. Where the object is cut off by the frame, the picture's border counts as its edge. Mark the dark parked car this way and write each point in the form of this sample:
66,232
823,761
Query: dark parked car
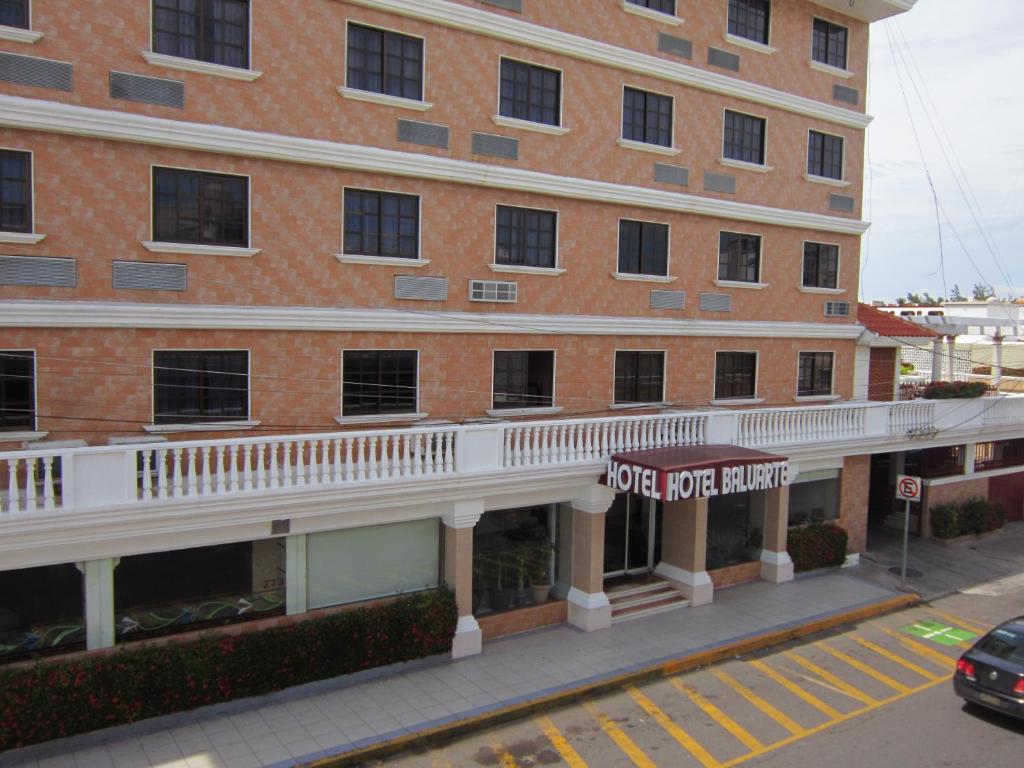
991,673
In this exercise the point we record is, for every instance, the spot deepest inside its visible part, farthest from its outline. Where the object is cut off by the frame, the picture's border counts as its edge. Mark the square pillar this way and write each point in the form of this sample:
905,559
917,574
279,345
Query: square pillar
684,547
589,608
98,581
295,574
458,574
776,564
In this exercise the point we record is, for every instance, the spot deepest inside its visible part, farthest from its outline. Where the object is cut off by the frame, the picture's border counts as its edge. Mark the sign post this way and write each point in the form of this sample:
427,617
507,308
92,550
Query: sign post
908,488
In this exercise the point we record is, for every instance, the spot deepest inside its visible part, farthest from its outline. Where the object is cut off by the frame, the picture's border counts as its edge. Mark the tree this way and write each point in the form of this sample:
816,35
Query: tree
980,292
955,294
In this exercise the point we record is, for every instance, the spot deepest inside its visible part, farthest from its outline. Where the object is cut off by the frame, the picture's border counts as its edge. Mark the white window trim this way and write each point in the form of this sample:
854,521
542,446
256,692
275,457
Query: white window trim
19,34
826,180
840,182
630,277
751,45
813,288
524,269
390,418
741,283
540,410
500,412
831,291
529,125
643,146
383,98
743,165
215,426
828,69
821,66
643,277
198,249
370,418
245,74
421,105
664,379
25,238
30,436
21,238
815,398
636,406
369,258
732,162
737,401
380,261
754,400
832,384
650,13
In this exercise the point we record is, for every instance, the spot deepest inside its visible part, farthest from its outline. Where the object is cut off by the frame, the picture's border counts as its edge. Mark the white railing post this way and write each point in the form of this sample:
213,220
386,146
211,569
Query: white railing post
722,427
480,447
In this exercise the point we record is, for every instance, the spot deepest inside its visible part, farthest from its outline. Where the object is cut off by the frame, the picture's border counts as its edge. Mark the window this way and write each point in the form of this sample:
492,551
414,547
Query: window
815,376
194,387
15,191
216,31
525,237
523,379
200,207
643,248
529,92
17,390
821,265
744,138
14,13
664,6
646,117
385,62
750,19
814,497
378,382
828,43
824,155
735,375
382,224
639,377
739,257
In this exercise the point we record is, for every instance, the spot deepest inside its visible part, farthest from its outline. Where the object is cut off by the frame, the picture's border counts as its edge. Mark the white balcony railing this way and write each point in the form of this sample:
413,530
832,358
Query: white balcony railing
769,426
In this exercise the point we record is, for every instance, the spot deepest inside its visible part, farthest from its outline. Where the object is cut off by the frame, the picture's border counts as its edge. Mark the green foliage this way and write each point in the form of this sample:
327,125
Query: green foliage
949,390
981,291
818,545
971,517
55,699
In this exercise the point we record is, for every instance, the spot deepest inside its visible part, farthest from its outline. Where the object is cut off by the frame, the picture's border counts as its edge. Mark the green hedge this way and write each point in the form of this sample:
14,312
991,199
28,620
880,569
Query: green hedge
818,545
55,699
973,516
946,390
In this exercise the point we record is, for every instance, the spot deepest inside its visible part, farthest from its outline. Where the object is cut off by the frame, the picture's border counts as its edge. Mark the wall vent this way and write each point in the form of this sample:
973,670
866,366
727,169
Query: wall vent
719,182
837,309
150,276
716,302
719,58
495,146
493,290
677,46
844,93
421,288
672,174
668,299
427,134
38,270
507,5
842,203
149,90
41,73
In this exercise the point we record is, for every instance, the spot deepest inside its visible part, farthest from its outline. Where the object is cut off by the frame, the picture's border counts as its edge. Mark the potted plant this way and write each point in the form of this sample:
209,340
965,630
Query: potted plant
539,564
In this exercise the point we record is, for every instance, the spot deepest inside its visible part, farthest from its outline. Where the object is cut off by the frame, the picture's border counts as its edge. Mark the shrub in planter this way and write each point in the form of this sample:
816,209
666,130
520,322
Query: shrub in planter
817,545
995,516
973,516
947,390
945,521
970,517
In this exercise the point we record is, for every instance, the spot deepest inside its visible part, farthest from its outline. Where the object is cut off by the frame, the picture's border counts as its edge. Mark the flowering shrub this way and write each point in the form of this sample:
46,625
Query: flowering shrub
817,545
55,699
973,516
948,390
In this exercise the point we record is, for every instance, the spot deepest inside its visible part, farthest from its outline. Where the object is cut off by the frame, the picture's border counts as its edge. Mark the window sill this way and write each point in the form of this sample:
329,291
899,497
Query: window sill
741,284
201,67
499,412
812,289
390,418
522,270
197,249
743,165
213,426
383,98
826,180
812,398
751,45
643,278
643,146
28,436
636,406
648,13
380,261
20,238
528,125
738,401
19,35
830,70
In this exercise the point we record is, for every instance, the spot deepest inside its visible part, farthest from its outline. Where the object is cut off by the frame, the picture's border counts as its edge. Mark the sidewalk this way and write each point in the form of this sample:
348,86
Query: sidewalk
333,717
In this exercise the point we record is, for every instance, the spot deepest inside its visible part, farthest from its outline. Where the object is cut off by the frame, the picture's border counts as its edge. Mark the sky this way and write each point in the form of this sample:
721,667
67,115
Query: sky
965,61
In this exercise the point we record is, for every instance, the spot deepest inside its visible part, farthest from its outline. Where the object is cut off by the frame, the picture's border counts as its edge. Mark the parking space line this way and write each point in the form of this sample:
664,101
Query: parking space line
558,741
779,717
796,690
957,620
685,740
860,666
622,741
896,659
505,760
828,677
720,717
923,650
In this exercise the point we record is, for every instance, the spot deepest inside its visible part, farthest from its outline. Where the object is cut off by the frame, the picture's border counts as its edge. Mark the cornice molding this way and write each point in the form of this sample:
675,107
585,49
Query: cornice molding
56,117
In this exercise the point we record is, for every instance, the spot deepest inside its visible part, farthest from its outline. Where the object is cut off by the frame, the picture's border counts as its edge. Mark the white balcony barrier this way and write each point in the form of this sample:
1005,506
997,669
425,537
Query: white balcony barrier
799,425
912,416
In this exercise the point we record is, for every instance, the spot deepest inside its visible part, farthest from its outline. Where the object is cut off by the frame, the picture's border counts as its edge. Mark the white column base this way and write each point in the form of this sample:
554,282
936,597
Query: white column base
776,567
469,638
99,602
852,560
589,612
696,586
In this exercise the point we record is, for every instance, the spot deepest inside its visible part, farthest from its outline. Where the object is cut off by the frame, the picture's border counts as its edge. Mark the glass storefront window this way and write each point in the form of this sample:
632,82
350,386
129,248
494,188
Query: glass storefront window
41,609
814,497
735,529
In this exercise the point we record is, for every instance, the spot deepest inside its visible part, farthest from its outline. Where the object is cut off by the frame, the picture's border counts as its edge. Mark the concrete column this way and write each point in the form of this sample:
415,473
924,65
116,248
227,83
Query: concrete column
951,355
458,573
970,455
937,358
684,546
776,564
997,368
589,608
98,580
295,578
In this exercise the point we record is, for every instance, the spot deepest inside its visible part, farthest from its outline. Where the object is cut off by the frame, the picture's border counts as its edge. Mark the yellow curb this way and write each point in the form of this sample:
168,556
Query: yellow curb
449,731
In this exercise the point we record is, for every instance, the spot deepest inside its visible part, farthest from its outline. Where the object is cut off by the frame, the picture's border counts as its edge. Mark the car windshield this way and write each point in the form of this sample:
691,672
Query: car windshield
1004,644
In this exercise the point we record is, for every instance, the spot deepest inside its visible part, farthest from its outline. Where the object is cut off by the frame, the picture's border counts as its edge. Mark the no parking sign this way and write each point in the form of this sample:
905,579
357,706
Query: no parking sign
908,487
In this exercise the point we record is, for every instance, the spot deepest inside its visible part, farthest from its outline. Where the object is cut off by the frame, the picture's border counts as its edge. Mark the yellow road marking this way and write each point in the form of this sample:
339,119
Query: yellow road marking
685,740
828,677
563,747
719,717
896,659
504,758
922,650
957,620
796,690
772,712
896,685
622,741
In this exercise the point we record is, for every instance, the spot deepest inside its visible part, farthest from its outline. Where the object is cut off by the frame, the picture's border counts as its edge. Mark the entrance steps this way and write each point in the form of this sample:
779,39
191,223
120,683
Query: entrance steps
631,601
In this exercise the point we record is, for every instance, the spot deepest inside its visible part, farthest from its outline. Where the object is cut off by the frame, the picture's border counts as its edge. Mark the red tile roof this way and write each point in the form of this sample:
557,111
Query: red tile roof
885,324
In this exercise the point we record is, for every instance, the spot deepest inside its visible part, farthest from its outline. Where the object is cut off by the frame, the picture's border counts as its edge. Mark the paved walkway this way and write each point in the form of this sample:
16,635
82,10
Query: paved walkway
331,717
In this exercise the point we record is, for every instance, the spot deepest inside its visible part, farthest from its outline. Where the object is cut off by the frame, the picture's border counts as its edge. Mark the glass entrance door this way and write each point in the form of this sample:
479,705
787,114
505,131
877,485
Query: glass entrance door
629,536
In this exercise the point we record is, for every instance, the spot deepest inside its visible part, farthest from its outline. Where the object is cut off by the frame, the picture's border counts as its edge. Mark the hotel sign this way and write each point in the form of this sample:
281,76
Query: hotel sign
696,482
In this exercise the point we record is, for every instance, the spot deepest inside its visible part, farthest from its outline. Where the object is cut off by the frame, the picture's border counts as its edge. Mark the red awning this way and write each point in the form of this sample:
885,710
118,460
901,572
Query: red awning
695,457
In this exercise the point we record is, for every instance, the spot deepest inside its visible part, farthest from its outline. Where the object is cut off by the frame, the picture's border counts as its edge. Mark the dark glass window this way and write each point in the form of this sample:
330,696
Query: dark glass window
639,377
735,375
14,13
378,382
815,374
17,390
665,6
744,137
385,62
191,386
646,117
825,155
15,191
529,92
524,379
382,224
750,19
828,43
525,237
199,207
643,248
216,31
821,265
739,257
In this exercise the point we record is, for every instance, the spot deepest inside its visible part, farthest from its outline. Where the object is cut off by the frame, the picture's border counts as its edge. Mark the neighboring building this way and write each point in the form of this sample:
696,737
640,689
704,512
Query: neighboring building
886,344
309,304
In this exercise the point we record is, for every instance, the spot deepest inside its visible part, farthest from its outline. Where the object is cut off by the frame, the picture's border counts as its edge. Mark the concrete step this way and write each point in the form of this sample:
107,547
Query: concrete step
643,599
629,590
650,609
